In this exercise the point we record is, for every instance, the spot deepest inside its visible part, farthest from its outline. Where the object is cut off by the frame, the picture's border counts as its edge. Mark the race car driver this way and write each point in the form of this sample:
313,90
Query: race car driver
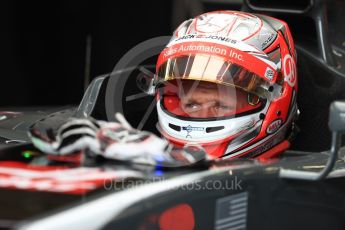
227,80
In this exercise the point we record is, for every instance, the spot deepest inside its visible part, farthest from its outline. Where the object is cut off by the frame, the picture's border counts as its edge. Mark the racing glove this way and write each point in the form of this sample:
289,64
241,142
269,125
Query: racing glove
113,140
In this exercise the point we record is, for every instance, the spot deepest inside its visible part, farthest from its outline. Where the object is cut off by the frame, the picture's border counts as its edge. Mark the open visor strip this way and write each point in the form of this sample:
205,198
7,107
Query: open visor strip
219,64
252,62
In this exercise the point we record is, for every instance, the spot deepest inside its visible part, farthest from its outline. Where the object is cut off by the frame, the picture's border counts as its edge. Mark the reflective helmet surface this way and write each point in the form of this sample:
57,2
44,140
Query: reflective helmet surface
228,82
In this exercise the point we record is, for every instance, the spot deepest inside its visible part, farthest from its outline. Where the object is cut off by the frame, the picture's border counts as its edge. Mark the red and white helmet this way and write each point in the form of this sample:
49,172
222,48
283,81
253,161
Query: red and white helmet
228,82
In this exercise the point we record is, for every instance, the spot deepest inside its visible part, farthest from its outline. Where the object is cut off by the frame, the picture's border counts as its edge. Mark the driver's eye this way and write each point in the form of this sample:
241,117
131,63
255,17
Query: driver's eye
221,106
192,106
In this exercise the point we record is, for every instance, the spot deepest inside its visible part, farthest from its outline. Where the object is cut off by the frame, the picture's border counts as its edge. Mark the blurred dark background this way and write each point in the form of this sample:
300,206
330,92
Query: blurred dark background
43,43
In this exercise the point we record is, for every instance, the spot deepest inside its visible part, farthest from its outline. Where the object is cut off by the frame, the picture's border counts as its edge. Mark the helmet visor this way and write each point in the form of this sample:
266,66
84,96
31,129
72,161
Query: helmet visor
203,99
212,68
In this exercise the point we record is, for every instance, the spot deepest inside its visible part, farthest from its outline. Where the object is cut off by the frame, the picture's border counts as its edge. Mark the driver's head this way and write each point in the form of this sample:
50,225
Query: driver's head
227,81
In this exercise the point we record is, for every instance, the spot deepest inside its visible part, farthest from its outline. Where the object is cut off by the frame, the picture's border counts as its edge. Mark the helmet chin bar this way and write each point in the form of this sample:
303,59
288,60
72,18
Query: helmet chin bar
185,130
337,126
277,138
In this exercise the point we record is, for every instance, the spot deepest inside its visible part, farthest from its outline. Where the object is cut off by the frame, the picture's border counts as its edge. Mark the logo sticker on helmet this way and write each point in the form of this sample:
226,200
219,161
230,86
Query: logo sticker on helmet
269,73
189,129
263,68
274,126
289,68
200,37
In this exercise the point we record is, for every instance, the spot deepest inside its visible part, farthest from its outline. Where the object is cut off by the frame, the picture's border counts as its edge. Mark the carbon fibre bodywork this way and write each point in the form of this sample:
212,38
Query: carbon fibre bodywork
264,200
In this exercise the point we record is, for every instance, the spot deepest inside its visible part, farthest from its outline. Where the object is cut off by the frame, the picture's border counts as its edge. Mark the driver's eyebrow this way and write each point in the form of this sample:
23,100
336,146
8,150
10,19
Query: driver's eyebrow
195,101
189,100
